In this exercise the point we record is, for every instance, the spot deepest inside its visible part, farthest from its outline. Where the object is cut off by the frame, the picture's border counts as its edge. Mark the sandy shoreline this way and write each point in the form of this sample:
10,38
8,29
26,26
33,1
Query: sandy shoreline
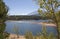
47,24
44,23
14,36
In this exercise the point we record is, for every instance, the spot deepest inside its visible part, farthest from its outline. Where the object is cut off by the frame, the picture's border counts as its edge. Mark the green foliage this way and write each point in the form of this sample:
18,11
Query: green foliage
2,27
3,10
50,6
29,35
1,36
51,36
3,13
6,35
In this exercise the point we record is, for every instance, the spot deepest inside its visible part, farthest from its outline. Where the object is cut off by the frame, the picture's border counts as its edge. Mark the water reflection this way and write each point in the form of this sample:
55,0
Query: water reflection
25,26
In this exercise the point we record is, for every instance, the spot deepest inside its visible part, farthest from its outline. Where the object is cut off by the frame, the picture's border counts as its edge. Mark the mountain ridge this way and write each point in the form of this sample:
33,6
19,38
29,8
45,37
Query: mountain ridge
34,13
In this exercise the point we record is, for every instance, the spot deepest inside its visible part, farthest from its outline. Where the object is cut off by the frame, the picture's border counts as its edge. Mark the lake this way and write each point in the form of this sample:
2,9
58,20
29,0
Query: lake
24,26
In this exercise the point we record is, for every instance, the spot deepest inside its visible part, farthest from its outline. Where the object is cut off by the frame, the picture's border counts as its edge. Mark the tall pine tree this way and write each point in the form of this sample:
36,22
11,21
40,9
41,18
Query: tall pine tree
3,13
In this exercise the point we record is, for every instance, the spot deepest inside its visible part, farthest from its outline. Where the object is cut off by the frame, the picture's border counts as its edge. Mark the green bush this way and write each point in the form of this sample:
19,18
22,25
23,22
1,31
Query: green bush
29,35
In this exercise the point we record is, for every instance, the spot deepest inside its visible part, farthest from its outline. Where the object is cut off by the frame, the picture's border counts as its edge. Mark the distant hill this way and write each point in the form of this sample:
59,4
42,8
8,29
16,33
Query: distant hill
34,13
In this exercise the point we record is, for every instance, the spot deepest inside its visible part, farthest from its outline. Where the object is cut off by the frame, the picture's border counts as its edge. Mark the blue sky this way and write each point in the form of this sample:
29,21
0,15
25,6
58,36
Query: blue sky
21,7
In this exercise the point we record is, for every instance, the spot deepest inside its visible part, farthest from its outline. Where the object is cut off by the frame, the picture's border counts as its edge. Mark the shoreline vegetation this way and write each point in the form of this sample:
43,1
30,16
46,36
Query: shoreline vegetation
14,36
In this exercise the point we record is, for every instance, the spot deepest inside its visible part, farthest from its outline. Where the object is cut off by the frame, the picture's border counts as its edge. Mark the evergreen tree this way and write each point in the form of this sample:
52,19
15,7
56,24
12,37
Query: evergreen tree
3,13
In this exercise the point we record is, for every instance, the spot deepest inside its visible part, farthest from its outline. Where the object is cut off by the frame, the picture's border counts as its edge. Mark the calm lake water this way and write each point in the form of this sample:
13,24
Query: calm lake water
24,26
